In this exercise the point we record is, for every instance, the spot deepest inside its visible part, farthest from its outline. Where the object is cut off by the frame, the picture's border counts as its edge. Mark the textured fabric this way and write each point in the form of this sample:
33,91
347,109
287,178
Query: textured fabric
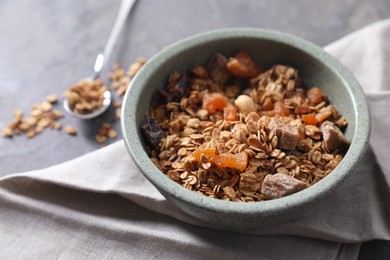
100,205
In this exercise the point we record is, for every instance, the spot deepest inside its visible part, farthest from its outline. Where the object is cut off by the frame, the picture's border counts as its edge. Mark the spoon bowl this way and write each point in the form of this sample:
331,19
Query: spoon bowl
94,113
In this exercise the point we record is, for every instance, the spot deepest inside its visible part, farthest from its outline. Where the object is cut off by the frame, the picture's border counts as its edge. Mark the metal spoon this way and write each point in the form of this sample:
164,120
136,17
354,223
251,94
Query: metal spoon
124,10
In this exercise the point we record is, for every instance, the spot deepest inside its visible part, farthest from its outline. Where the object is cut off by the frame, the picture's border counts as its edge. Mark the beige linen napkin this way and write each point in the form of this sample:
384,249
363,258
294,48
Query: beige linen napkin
100,205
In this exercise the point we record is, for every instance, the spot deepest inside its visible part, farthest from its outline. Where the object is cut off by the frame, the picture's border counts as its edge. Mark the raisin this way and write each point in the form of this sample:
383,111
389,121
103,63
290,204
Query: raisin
160,97
217,68
181,89
153,132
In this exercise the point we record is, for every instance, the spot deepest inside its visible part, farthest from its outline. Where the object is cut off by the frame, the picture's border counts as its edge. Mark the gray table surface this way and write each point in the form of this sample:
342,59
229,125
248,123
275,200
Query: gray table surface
47,45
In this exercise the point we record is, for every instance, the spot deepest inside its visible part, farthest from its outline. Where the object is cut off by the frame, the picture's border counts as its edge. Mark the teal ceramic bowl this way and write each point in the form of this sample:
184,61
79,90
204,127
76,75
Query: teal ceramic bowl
315,66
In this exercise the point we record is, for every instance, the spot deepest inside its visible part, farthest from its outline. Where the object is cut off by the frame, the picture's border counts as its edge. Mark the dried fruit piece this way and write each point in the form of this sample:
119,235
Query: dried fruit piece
279,185
217,68
315,96
200,72
323,115
287,134
228,160
302,109
213,102
309,119
243,66
202,154
241,161
333,137
230,113
153,132
181,89
268,104
225,160
280,109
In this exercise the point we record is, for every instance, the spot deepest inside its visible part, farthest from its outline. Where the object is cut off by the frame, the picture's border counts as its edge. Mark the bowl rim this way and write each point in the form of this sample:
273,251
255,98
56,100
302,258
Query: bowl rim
165,185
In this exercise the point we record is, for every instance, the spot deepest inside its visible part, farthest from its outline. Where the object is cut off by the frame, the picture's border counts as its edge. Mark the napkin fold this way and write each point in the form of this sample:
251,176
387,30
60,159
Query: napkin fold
100,206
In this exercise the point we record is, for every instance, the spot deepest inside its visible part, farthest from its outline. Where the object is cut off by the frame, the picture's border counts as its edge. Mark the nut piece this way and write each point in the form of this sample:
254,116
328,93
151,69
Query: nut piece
280,185
70,130
245,104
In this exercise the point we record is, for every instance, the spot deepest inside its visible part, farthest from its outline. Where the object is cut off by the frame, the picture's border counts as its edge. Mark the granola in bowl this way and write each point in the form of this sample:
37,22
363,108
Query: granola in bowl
235,131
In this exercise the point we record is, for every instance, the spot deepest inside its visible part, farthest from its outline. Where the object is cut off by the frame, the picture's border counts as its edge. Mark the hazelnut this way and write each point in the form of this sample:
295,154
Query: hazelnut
245,104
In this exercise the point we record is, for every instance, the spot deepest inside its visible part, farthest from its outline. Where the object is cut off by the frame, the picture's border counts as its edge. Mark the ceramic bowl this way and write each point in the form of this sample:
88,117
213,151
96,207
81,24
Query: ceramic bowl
267,48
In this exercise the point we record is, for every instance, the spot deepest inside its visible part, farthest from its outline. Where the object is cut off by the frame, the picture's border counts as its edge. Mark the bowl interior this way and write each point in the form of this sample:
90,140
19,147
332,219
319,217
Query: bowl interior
267,48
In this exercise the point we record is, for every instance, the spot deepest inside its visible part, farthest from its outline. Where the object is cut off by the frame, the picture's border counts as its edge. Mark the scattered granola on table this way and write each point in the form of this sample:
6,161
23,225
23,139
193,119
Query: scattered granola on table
234,131
42,116
105,131
120,80
83,97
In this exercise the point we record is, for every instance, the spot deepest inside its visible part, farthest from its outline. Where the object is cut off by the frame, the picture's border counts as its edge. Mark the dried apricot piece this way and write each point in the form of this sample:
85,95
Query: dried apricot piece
323,115
315,96
268,104
280,109
302,109
241,161
230,113
225,160
214,101
228,160
199,153
309,119
242,65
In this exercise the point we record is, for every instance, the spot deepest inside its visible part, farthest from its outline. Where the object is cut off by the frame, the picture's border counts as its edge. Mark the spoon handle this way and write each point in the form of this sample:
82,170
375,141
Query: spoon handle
124,10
